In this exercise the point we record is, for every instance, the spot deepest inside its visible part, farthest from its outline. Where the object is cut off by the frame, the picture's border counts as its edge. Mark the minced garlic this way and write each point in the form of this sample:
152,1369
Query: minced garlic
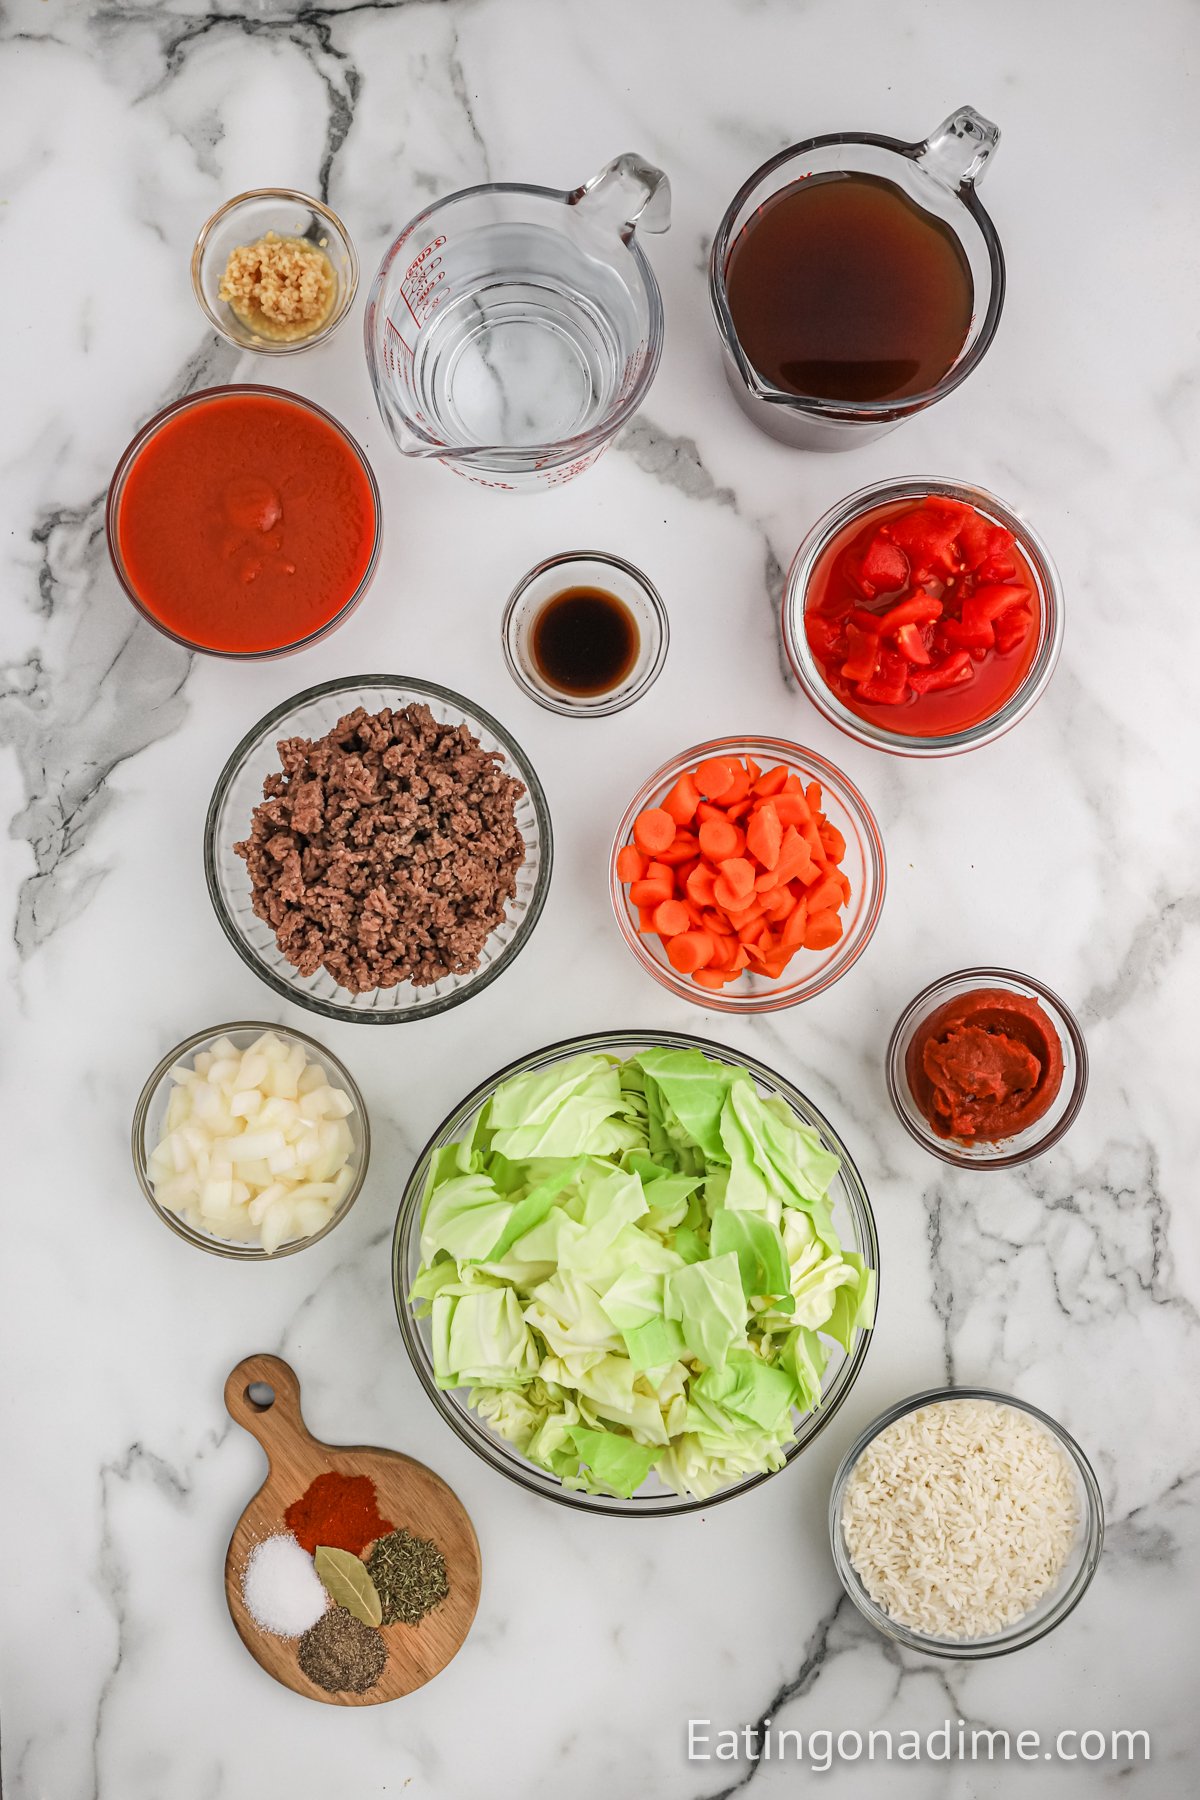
282,288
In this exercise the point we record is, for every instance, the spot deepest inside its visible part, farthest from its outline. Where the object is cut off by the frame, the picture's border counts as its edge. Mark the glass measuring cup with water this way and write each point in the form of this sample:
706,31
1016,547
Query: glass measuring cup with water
511,330
937,179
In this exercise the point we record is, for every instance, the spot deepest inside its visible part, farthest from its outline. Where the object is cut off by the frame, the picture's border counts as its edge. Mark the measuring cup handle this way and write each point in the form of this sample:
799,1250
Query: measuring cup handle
960,149
628,192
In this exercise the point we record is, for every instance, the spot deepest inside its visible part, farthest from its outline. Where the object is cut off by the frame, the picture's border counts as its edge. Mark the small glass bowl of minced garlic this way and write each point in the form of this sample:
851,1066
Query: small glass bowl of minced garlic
274,271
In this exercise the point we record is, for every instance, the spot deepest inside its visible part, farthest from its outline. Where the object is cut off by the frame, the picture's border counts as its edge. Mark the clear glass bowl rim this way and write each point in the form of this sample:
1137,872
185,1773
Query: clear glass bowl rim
527,1475
138,443
848,794
865,409
345,299
411,684
597,706
804,665
924,1003
562,449
1002,1644
235,1252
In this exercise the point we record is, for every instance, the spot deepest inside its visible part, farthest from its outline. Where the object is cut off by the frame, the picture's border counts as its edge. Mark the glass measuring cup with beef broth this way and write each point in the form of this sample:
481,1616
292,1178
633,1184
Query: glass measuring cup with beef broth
855,280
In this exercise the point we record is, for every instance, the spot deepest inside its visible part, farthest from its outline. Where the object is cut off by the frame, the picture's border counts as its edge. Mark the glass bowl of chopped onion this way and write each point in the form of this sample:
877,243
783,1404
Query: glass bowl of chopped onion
251,1141
965,1523
493,1424
274,271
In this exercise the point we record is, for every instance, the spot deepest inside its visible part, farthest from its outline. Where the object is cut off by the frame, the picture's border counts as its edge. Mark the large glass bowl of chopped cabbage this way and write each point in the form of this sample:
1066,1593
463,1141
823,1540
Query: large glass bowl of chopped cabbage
636,1273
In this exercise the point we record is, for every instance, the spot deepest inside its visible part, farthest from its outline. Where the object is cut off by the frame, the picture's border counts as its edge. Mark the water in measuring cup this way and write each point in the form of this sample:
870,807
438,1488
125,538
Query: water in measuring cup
526,341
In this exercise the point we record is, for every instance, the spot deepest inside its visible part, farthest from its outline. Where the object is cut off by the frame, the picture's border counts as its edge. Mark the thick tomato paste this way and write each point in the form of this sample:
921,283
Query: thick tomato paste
923,616
985,1066
246,523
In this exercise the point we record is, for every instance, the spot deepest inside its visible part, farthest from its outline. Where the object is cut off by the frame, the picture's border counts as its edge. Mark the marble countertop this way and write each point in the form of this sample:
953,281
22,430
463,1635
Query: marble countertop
1069,848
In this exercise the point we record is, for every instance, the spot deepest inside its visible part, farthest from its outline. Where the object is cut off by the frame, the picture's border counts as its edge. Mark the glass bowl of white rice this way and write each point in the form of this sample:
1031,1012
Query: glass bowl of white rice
965,1523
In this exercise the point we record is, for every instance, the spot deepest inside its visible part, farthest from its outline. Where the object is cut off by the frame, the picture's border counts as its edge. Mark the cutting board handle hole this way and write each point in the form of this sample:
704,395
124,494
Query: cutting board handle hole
261,1396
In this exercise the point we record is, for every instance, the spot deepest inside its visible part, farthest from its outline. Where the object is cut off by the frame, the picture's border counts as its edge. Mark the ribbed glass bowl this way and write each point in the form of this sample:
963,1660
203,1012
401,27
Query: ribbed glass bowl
1051,1610
239,789
150,1113
810,971
852,1217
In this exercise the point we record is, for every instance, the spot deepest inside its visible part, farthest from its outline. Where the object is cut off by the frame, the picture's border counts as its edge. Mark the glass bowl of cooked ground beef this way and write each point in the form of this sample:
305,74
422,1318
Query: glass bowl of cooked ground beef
377,849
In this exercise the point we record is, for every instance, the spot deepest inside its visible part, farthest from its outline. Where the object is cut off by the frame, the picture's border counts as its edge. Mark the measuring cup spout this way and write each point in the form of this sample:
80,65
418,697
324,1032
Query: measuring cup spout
628,193
959,150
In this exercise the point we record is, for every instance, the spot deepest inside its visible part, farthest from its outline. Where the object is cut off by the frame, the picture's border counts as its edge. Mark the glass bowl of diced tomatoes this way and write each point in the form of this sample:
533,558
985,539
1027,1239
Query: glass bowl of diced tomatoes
747,874
923,617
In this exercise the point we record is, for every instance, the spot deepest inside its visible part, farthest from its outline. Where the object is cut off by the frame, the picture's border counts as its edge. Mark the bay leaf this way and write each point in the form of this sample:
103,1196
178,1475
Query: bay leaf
345,1577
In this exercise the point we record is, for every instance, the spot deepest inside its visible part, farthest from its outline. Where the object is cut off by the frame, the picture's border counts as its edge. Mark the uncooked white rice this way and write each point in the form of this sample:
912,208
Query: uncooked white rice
960,1516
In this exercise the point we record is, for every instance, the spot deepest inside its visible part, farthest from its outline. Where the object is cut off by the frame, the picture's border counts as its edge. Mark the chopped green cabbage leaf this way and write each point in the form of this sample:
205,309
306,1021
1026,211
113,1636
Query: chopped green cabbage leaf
632,1269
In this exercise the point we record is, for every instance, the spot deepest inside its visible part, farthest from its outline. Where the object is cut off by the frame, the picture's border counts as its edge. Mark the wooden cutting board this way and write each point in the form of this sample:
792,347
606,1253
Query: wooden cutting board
409,1494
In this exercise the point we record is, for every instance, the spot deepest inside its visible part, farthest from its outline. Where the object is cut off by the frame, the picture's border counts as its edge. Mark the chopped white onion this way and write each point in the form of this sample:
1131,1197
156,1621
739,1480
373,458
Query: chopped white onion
254,1143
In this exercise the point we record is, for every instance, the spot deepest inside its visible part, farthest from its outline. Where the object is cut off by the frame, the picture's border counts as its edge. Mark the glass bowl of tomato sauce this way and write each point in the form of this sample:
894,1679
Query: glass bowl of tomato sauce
244,522
987,1068
923,616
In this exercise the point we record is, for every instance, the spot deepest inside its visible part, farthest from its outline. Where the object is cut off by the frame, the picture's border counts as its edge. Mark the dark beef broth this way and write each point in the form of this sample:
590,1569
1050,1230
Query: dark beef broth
842,288
584,641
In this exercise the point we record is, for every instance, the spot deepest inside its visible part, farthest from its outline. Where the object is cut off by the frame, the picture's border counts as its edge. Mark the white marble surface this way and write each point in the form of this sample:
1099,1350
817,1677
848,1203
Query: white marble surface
1070,848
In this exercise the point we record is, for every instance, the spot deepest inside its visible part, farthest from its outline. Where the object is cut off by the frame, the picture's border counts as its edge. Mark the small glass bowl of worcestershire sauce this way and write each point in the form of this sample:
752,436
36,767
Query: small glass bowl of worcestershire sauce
987,1068
856,279
1003,684
585,634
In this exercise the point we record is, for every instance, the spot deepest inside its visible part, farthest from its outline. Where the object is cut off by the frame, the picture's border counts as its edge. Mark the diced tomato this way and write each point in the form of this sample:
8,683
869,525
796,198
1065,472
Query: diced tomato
921,609
928,539
991,599
911,644
862,654
945,674
826,638
979,539
890,686
954,509
884,566
1012,628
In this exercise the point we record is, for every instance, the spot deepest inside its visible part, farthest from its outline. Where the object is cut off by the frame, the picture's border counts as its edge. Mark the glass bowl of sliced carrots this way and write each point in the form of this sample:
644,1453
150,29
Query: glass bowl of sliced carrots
747,874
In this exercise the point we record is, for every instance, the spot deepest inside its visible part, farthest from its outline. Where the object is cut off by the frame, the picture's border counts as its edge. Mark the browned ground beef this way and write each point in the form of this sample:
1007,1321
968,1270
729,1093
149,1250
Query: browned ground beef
386,851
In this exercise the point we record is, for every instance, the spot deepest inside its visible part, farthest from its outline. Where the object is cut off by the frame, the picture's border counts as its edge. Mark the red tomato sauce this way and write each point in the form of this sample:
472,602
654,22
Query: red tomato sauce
985,1066
246,523
950,561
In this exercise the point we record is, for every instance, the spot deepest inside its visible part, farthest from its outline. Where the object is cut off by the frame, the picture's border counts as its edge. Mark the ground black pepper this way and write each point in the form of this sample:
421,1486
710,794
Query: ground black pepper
341,1654
409,1575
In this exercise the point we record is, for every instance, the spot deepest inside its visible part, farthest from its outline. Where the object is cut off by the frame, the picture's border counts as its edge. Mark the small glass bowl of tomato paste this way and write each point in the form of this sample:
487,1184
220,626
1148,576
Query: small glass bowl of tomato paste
994,1053
923,617
244,522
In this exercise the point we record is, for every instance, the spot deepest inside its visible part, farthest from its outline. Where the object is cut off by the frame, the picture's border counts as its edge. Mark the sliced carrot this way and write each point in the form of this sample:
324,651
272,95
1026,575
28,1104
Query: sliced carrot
794,926
682,849
646,920
715,776
657,871
723,953
826,893
778,905
845,881
690,951
650,893
710,978
671,917
738,788
631,864
682,800
764,834
834,842
716,922
685,871
738,874
823,929
812,794
752,769
653,830
741,959
700,885
795,859
792,809
719,839
772,782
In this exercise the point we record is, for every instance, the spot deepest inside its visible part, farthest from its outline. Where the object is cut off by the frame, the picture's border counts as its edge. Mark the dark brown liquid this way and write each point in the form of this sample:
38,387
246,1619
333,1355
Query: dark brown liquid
842,288
584,641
